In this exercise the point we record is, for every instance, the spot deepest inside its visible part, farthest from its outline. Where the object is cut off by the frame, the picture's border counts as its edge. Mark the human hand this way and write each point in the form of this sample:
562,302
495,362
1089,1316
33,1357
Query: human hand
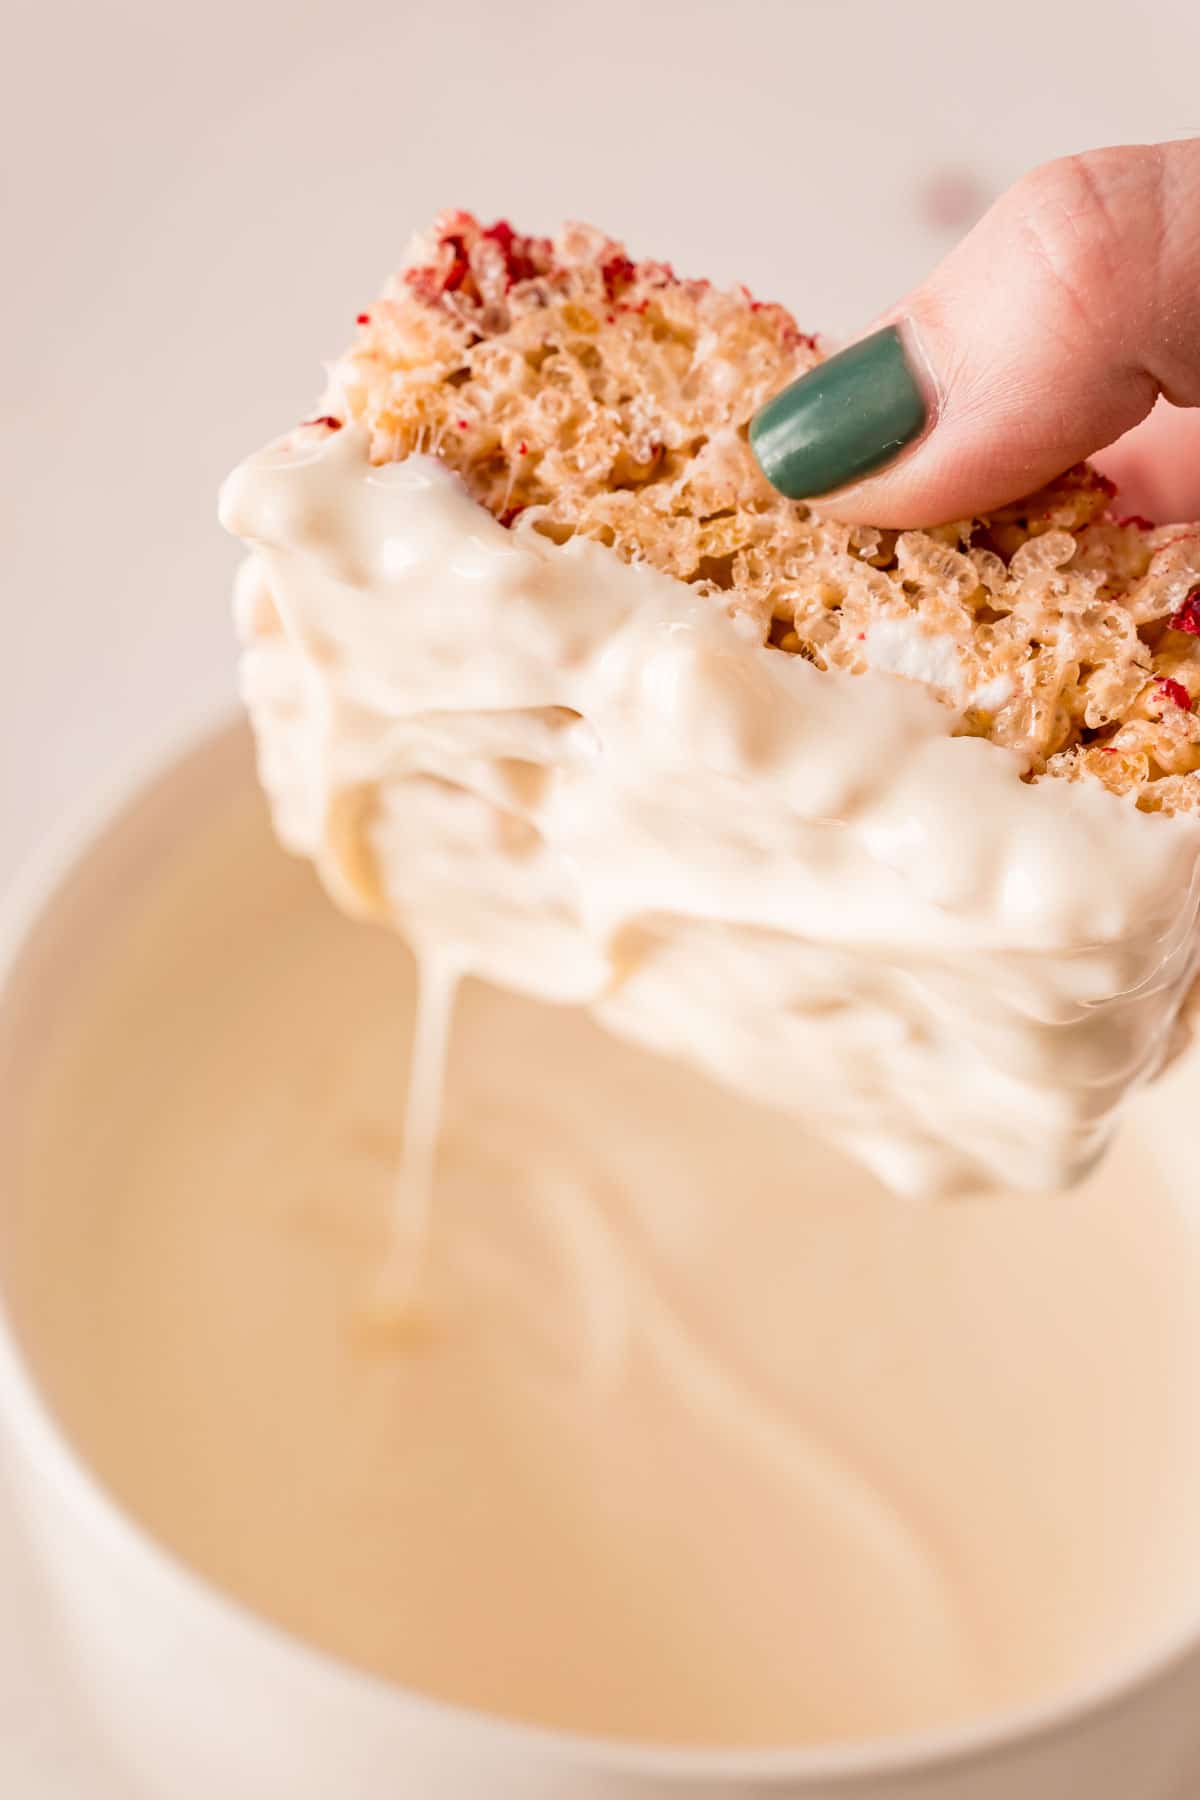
1050,332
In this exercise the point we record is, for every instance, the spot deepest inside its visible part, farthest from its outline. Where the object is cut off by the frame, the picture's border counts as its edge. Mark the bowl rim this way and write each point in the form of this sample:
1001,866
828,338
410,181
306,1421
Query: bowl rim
61,856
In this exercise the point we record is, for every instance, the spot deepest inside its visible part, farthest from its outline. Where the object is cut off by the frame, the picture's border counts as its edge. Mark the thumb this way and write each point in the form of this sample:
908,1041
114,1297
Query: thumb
1047,333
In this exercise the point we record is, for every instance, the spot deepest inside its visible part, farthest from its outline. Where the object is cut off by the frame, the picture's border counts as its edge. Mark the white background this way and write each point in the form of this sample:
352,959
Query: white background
196,201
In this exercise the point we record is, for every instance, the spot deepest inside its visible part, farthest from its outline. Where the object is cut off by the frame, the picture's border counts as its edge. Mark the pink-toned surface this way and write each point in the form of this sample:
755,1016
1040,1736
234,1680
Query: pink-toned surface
195,205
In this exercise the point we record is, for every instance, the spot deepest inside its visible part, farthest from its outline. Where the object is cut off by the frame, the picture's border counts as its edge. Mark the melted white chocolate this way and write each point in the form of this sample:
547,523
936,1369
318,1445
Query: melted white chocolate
697,1436
580,780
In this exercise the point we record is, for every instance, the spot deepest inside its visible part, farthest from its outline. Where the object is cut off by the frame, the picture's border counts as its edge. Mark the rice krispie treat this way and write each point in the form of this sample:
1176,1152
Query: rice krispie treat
522,611
594,396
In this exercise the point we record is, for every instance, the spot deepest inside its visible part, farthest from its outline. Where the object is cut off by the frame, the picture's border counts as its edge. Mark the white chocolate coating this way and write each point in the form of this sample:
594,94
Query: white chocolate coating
584,782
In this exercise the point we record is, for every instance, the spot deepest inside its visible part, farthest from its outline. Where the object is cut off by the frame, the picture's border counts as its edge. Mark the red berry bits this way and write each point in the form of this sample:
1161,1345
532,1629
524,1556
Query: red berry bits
617,273
461,262
524,257
326,419
1176,692
362,318
1188,617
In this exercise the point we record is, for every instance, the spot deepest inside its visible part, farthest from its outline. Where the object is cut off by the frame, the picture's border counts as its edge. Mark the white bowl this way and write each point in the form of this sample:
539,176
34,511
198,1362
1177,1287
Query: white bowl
203,1699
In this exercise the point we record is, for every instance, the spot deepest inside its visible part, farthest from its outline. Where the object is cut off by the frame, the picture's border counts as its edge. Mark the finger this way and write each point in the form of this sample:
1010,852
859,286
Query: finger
1047,333
1156,466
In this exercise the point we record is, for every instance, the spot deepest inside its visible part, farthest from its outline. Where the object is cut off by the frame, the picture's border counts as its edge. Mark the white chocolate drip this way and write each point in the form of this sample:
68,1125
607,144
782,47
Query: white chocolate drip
398,1289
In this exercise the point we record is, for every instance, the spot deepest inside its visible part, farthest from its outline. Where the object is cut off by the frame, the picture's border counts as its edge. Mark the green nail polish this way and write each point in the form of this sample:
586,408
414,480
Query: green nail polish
843,420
